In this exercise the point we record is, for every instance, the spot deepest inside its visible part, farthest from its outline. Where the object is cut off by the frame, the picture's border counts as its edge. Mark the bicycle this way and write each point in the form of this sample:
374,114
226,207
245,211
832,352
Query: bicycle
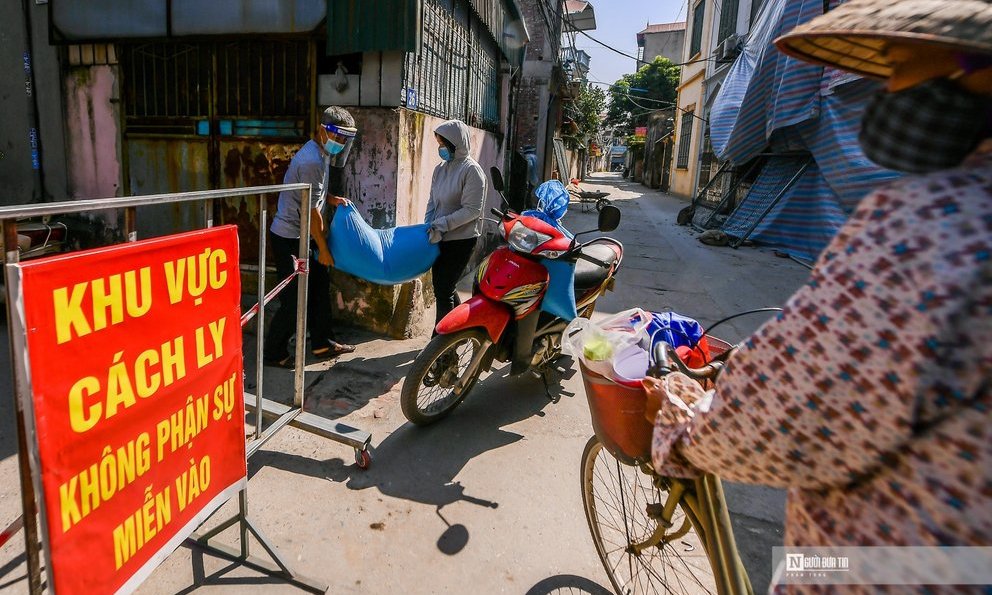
650,529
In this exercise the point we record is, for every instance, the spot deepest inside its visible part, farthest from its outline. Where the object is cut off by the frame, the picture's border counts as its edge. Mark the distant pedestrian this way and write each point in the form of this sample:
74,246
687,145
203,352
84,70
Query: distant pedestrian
533,173
318,162
870,396
454,211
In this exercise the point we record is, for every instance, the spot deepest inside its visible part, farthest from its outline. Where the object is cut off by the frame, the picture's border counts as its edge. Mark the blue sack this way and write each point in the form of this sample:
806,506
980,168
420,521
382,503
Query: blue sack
559,299
674,329
383,256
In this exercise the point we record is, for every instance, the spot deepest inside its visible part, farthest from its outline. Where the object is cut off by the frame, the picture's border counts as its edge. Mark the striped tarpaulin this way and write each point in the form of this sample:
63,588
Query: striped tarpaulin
802,222
771,101
833,140
765,90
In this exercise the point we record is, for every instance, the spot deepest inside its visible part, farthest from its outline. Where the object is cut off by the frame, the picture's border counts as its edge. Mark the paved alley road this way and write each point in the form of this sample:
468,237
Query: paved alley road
488,500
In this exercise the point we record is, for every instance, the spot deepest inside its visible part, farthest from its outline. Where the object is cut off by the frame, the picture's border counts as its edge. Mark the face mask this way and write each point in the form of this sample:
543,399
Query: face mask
333,147
445,153
926,128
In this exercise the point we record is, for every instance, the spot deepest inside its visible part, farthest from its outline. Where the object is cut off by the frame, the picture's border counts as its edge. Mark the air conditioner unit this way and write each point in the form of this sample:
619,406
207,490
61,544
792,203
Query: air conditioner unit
729,48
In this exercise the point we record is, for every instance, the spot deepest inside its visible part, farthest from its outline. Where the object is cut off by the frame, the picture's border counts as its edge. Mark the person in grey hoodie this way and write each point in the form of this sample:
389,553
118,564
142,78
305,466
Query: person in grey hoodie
454,210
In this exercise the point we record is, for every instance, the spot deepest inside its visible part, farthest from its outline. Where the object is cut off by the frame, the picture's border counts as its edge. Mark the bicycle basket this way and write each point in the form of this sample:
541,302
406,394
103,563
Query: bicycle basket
617,412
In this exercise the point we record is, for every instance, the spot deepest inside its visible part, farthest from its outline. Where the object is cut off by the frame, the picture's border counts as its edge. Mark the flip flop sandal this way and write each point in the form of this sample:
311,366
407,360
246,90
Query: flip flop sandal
287,363
333,351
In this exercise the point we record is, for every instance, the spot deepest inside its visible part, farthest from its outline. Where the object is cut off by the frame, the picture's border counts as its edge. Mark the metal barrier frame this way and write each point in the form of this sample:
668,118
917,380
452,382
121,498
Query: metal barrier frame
284,415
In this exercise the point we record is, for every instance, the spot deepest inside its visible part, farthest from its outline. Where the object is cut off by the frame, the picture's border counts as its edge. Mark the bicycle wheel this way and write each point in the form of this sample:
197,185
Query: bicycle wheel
428,390
637,558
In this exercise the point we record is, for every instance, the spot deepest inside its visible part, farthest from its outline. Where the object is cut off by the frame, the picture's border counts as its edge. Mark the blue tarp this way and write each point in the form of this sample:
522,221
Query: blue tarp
769,101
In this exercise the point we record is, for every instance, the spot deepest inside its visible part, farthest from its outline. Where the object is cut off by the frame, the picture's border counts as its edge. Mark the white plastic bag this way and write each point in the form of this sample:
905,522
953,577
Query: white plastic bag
598,343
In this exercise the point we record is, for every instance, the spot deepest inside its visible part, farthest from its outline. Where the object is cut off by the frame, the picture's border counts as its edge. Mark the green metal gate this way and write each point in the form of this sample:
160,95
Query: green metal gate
208,115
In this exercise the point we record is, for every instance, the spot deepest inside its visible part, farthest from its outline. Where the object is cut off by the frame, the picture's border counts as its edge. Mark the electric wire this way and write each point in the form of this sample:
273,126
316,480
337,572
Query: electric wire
626,55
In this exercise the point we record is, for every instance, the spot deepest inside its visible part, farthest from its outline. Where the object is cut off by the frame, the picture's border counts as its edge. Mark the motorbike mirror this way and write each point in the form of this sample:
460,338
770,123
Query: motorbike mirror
609,218
497,177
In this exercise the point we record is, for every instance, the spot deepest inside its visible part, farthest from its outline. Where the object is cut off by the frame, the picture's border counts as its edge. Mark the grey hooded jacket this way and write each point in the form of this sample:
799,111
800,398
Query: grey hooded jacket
458,188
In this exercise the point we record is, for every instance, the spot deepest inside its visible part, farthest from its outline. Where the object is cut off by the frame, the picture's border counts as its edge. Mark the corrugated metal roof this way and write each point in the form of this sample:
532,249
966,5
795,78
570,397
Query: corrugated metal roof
373,26
664,28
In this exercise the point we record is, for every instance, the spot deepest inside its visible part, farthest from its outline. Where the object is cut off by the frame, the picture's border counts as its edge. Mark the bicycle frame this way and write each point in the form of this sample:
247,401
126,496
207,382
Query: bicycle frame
711,519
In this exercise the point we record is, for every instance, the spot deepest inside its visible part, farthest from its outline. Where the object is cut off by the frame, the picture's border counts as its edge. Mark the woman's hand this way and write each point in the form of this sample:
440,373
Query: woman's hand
338,201
434,235
676,396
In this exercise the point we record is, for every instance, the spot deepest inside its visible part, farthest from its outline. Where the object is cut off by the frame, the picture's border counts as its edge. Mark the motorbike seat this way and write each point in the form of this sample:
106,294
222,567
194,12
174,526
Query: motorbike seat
589,275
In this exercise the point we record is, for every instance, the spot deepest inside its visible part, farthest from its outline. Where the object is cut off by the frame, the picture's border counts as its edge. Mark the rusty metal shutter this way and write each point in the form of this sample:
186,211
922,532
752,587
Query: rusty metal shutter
373,26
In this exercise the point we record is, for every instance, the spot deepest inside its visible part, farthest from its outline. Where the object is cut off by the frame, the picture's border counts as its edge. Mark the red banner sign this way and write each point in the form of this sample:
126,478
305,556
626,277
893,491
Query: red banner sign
134,359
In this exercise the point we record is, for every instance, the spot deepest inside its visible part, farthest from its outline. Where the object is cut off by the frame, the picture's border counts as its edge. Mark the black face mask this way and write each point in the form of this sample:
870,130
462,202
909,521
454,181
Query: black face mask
927,128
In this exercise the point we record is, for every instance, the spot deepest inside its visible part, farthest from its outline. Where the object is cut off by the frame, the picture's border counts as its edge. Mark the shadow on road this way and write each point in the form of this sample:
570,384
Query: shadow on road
420,464
218,578
568,583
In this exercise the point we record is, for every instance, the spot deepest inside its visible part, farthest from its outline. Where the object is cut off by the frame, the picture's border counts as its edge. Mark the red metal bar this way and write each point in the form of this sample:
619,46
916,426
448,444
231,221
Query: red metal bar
11,530
301,267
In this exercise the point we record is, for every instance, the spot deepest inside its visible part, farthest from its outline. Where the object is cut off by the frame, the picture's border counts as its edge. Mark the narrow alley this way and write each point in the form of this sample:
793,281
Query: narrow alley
488,500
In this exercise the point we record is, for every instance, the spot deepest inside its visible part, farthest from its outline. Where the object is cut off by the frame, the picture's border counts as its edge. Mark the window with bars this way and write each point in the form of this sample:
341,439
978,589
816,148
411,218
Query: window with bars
257,88
696,41
728,19
685,140
456,73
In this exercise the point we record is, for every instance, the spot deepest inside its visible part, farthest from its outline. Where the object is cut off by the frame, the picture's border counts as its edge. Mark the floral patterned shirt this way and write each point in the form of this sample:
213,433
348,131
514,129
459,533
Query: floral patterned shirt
870,396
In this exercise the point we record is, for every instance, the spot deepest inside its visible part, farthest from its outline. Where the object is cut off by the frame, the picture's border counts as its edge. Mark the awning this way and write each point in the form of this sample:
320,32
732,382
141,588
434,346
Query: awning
93,20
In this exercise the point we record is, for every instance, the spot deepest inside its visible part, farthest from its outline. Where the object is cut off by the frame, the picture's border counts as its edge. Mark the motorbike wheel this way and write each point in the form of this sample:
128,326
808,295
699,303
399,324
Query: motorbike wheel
428,391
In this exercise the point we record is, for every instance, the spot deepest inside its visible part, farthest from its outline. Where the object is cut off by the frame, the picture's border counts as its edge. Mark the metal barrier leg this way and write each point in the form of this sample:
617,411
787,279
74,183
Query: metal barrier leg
28,504
241,555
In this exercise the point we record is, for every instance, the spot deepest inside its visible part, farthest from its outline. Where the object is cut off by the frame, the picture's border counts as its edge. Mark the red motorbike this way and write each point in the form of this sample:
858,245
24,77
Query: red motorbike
503,320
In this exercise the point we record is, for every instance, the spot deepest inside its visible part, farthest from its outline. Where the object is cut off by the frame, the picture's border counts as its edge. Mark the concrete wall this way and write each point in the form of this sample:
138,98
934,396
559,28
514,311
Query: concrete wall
94,137
17,173
668,44
691,97
534,94
388,176
371,171
379,84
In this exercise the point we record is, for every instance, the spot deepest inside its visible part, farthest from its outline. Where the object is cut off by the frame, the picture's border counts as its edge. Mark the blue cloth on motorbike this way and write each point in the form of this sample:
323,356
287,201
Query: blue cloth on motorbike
559,299
383,256
552,204
674,329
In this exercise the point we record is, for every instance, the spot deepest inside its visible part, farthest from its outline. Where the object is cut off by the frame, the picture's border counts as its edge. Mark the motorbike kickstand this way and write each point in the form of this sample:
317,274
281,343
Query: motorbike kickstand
547,386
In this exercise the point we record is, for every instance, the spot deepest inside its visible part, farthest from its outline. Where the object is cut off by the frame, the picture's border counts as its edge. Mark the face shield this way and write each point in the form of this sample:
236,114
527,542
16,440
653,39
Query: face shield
339,142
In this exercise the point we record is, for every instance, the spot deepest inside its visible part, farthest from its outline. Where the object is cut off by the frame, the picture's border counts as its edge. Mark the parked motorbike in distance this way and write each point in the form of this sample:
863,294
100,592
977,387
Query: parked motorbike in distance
503,320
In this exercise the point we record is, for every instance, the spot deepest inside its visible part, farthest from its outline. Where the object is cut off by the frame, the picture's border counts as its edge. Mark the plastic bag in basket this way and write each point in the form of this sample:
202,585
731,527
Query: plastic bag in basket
598,343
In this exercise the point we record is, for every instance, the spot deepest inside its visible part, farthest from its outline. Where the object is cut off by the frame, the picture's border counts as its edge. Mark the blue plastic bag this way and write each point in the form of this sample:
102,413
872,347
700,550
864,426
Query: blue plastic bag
552,204
559,299
674,329
383,256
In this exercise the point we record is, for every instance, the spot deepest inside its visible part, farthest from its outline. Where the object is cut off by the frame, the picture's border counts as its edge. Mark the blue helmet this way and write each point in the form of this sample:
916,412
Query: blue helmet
552,199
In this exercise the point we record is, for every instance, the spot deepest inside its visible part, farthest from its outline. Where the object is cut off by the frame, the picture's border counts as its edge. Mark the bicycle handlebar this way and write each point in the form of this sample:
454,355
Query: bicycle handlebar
666,361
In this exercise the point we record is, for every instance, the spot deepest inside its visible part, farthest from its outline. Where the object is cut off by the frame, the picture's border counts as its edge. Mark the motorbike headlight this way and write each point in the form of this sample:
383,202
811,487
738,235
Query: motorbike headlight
523,239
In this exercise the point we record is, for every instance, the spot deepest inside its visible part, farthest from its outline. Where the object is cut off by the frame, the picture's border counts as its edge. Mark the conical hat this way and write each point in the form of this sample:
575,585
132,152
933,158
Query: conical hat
855,35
